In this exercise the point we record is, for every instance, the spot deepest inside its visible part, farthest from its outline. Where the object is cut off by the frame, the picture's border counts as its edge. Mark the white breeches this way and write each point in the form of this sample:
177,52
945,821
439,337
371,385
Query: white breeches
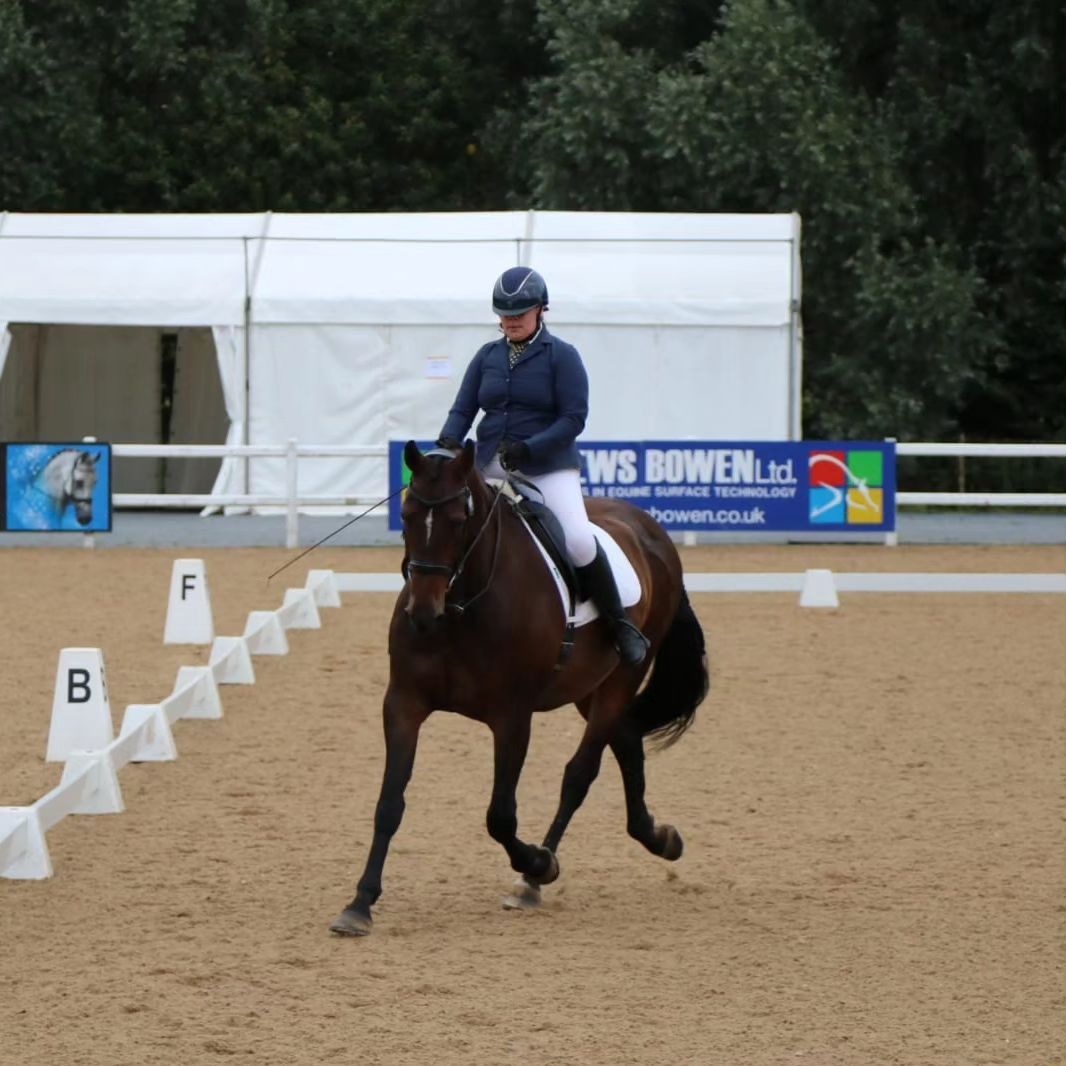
561,490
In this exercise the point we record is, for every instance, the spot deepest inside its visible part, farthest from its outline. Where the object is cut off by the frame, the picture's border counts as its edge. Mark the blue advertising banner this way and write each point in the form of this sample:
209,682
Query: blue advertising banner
399,476
717,486
774,486
62,488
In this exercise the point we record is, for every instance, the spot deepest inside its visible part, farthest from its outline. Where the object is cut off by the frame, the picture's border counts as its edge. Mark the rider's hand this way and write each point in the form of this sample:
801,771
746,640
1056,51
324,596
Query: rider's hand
514,454
450,443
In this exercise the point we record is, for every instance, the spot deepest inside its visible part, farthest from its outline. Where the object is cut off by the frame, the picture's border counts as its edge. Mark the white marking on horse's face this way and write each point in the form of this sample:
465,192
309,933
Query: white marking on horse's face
429,524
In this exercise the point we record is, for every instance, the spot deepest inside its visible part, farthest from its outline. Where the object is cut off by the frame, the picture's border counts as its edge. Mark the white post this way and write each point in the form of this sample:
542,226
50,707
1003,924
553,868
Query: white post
892,538
88,540
292,537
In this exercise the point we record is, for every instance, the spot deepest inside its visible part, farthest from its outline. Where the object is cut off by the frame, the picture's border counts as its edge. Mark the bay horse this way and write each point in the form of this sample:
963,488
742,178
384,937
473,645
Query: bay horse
477,629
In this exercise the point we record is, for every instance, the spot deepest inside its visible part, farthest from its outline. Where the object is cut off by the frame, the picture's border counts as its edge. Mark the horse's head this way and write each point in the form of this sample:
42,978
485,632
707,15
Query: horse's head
436,513
80,486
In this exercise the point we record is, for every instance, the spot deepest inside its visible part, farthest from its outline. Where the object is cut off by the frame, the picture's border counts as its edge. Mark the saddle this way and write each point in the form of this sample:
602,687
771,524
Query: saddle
549,531
548,534
542,523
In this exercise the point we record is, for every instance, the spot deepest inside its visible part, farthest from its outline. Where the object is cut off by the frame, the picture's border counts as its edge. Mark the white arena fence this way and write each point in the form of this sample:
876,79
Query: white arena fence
757,581
89,783
293,500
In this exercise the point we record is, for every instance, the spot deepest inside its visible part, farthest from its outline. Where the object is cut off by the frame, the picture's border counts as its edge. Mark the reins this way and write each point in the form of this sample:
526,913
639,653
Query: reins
460,608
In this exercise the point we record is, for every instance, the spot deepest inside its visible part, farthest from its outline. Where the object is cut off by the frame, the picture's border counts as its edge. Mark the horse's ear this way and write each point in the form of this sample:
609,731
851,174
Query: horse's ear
412,456
466,457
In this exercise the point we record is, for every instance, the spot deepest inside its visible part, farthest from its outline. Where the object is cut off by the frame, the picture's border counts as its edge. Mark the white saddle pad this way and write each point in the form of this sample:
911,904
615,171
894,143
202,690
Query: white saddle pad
624,575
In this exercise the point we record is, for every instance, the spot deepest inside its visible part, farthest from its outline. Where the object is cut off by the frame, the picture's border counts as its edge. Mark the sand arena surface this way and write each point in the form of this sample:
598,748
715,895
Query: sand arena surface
871,801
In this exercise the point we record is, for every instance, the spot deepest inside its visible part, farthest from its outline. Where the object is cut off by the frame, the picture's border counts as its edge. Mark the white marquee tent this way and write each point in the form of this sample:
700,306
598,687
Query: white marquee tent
355,329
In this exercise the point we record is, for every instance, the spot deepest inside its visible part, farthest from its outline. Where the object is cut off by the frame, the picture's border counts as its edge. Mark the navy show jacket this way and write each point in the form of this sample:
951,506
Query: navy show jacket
543,401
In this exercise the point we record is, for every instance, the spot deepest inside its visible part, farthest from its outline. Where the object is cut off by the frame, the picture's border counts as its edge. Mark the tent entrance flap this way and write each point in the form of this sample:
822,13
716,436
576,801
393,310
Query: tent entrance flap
123,384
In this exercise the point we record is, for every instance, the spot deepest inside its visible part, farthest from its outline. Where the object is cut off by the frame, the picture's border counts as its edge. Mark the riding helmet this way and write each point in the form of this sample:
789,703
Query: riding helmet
517,290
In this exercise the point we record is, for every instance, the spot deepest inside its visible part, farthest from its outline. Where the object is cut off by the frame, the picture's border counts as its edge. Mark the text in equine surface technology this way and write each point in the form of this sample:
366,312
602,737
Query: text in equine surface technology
60,488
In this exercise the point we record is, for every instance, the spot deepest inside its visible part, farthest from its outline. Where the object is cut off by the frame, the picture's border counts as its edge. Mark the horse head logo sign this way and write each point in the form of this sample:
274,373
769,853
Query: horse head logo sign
57,487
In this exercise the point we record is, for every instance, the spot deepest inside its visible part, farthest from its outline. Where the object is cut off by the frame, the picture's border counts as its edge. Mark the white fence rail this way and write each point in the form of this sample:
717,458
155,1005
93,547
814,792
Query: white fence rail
292,499
982,499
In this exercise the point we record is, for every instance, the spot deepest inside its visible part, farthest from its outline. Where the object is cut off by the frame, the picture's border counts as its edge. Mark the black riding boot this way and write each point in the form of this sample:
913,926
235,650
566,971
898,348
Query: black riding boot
598,584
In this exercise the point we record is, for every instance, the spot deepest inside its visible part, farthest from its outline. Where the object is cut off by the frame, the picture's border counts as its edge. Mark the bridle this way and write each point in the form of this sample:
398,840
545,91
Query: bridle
453,573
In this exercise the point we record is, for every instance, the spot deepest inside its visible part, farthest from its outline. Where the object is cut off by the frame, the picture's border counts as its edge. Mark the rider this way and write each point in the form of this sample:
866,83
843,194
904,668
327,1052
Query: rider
533,389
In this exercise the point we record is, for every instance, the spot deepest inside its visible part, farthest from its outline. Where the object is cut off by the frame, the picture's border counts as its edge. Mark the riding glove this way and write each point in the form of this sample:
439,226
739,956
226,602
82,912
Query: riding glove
513,454
450,443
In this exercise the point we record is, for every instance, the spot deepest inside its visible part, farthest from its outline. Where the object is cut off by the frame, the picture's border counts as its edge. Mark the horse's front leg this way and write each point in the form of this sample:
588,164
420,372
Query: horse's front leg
403,716
510,735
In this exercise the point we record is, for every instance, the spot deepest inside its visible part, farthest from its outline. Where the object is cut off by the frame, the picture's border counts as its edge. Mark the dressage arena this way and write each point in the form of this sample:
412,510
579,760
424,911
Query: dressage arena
871,800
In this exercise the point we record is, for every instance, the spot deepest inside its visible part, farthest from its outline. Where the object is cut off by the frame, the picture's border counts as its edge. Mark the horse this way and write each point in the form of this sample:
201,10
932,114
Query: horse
69,478
478,628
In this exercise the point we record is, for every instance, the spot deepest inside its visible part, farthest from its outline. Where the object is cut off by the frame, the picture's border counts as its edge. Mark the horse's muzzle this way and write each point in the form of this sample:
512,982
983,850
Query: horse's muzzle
426,611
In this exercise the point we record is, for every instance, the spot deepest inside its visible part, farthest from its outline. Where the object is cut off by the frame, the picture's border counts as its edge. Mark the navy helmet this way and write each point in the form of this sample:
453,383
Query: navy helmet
518,290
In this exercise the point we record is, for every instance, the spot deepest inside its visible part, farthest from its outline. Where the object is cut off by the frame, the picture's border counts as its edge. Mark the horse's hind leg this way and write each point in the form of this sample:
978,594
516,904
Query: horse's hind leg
510,736
662,840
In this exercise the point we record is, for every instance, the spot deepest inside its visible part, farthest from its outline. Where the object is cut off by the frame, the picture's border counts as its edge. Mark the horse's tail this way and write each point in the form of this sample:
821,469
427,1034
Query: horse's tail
679,680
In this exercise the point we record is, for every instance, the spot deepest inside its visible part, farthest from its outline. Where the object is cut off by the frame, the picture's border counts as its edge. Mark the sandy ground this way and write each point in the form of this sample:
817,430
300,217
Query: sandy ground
871,799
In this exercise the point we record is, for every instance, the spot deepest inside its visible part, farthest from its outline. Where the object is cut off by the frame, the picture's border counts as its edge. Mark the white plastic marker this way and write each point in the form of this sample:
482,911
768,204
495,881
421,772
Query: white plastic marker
189,618
819,589
81,710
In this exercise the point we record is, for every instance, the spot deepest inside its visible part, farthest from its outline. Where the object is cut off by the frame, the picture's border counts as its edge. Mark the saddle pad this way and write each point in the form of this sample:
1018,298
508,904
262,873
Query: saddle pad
624,575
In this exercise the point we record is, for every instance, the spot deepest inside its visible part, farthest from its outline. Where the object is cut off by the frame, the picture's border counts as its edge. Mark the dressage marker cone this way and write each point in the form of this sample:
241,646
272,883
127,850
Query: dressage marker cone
819,589
189,607
81,711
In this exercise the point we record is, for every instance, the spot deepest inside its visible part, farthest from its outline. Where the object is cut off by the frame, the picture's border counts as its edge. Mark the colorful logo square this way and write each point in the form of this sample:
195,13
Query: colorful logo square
867,467
866,508
828,468
827,506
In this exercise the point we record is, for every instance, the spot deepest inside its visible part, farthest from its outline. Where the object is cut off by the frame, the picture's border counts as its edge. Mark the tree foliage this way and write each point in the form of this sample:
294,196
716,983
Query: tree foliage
922,145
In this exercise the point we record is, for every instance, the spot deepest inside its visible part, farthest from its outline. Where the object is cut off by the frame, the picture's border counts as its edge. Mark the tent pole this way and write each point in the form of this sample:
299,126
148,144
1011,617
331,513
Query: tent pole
795,336
525,246
250,279
246,369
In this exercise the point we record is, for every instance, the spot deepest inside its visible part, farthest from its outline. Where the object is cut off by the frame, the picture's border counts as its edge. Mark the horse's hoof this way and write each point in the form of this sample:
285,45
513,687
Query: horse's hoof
672,845
352,923
550,874
525,897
